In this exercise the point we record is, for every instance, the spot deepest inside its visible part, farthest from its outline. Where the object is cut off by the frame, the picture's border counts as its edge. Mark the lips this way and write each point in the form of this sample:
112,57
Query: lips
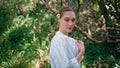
70,28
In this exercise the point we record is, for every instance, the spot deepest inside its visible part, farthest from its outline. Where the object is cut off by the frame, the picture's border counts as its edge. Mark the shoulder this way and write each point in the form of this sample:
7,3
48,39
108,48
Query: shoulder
58,40
72,39
58,37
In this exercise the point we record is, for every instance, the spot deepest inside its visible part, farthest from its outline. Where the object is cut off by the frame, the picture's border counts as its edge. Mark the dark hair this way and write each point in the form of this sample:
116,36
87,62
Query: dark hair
64,9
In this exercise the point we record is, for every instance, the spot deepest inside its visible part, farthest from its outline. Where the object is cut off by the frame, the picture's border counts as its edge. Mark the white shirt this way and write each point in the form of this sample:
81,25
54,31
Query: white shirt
63,51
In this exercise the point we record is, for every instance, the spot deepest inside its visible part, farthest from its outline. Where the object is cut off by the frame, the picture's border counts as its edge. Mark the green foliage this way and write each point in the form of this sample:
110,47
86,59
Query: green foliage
99,55
24,36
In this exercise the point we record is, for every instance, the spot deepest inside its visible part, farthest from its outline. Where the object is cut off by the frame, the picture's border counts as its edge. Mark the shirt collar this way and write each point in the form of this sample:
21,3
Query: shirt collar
60,33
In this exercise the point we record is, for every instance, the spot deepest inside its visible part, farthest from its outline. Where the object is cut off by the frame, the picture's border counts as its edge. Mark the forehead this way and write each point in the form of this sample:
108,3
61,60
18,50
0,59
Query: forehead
69,14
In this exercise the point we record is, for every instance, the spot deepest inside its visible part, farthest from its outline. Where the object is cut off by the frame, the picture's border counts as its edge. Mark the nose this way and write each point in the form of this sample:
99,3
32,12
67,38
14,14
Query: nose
71,23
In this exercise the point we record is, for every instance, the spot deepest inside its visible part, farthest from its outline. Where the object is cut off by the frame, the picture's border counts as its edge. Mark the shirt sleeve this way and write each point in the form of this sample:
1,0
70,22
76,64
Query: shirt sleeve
58,56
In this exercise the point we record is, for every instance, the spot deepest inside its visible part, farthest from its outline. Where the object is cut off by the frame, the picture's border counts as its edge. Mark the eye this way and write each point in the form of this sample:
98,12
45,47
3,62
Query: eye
67,19
73,20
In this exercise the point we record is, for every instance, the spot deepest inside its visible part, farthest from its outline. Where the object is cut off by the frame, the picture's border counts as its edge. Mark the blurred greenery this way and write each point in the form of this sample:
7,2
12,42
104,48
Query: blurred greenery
26,27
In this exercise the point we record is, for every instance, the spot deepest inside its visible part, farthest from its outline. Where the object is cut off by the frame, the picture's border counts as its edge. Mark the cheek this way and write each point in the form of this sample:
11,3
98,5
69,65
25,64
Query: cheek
64,26
64,23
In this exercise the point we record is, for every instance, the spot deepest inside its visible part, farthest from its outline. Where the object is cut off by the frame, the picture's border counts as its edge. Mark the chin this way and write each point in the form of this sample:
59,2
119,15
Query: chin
68,31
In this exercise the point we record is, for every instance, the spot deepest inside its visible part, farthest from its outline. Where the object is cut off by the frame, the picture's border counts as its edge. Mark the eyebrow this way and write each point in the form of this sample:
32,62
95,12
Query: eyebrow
70,18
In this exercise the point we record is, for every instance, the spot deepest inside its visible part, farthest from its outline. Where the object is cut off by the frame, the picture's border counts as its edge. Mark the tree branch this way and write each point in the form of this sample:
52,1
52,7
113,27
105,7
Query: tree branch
88,36
115,37
111,28
94,40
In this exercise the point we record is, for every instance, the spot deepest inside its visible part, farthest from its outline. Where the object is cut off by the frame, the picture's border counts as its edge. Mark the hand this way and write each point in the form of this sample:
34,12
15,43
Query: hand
81,48
80,45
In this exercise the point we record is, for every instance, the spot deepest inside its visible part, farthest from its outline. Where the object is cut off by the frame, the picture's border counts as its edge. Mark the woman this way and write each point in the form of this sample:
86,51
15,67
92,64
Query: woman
66,52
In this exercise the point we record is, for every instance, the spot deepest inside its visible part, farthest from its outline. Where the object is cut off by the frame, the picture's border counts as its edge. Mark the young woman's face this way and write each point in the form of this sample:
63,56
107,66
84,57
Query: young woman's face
67,22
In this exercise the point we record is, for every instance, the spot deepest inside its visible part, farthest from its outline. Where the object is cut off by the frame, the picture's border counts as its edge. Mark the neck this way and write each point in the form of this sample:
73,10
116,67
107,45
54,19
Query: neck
64,32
